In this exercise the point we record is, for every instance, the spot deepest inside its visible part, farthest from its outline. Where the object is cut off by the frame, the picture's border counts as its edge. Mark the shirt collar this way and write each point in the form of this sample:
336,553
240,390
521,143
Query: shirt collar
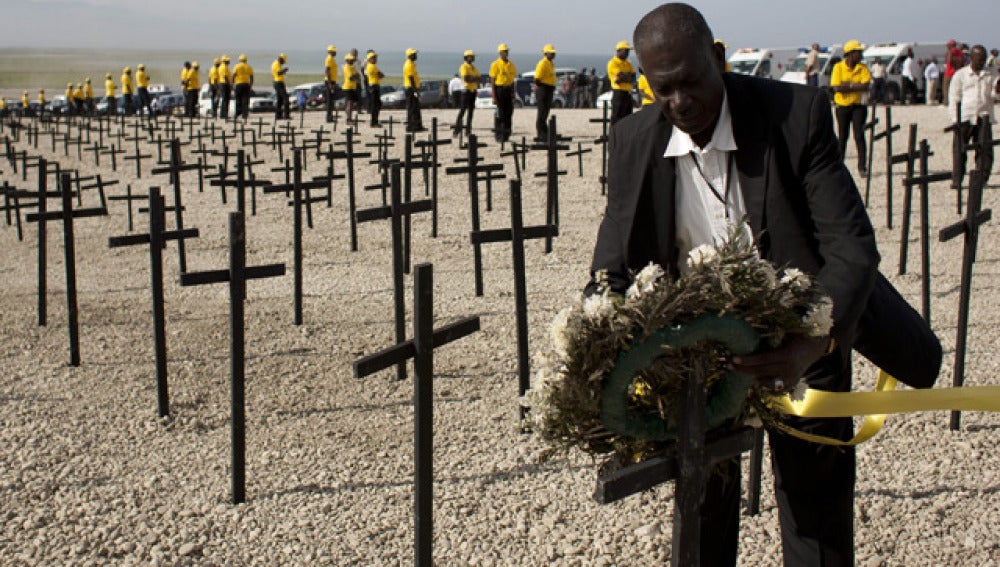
681,143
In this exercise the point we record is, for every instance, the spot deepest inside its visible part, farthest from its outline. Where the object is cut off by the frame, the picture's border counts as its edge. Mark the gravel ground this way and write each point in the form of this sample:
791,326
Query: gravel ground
89,475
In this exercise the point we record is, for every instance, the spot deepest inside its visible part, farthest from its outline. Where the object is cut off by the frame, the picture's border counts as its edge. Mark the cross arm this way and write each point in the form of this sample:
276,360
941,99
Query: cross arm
406,350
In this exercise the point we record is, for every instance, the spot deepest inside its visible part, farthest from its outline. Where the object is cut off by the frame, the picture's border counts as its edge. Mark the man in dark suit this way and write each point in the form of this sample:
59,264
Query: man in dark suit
718,148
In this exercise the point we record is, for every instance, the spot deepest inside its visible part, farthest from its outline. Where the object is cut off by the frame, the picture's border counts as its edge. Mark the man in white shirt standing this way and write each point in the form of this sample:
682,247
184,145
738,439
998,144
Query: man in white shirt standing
970,97
932,76
812,66
909,94
455,88
877,71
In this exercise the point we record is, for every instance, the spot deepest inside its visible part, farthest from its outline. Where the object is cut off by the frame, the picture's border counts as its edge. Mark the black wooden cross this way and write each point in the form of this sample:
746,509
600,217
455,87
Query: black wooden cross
410,164
241,183
516,235
603,142
138,157
909,157
113,151
579,155
922,182
472,170
400,262
969,227
12,203
128,197
157,239
300,196
551,174
348,154
66,215
421,350
237,276
432,145
958,140
518,150
100,185
174,170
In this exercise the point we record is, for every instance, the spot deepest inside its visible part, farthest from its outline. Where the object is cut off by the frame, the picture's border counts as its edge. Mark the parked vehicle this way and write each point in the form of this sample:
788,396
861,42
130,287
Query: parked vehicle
259,101
828,57
168,104
558,98
315,95
58,105
893,55
484,99
604,99
430,96
768,63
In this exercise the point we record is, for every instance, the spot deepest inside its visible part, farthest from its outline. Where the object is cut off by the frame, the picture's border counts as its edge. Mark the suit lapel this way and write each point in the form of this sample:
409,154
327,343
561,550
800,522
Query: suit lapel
753,156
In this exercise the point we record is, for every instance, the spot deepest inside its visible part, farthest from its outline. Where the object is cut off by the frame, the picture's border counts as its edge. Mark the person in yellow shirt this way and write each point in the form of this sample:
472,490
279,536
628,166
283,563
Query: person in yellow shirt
850,81
225,86
645,92
411,81
3,107
109,94
142,90
242,84
282,108
41,102
70,105
545,89
374,76
191,91
213,86
128,89
79,101
330,78
25,104
88,95
502,76
471,79
621,73
351,80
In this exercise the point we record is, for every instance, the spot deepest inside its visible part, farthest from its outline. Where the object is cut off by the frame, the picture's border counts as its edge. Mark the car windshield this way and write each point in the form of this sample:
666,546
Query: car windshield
745,66
799,64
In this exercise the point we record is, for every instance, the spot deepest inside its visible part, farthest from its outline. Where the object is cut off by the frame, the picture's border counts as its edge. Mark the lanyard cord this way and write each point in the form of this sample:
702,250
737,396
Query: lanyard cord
724,199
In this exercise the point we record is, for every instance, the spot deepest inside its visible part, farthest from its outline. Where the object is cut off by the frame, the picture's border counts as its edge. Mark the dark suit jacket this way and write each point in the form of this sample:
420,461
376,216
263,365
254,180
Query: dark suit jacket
804,209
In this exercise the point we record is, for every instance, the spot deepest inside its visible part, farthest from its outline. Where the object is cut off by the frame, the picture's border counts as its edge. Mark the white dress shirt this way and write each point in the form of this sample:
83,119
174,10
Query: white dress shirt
705,177
974,91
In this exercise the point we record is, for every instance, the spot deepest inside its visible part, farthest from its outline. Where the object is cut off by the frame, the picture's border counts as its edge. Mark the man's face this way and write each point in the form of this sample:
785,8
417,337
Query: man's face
622,53
503,55
977,58
687,82
550,56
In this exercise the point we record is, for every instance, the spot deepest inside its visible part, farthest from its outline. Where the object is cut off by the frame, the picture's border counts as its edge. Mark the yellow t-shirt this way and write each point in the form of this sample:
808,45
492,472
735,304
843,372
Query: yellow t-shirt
276,73
224,75
350,77
503,73
469,70
213,75
331,68
141,79
25,102
645,91
69,93
841,74
41,99
242,74
193,83
545,72
618,65
3,104
127,87
78,94
109,88
373,73
88,91
411,78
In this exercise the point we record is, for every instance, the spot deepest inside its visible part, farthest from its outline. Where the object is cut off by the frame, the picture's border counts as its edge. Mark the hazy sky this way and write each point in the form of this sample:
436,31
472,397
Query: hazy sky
582,26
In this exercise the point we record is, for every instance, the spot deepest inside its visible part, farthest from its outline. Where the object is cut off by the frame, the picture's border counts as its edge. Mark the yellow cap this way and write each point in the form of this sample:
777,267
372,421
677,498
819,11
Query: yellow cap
721,43
282,57
243,58
371,54
69,85
216,61
622,45
127,70
411,51
194,64
25,92
141,66
331,47
349,57
107,76
41,90
548,48
469,53
853,45
502,47
87,80
79,85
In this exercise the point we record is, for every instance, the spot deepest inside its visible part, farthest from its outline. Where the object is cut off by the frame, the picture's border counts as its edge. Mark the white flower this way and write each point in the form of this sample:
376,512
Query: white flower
799,392
645,281
819,320
598,306
561,331
795,279
704,255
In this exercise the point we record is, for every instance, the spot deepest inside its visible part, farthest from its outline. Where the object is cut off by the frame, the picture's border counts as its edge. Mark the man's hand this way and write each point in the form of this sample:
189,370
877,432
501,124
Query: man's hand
781,368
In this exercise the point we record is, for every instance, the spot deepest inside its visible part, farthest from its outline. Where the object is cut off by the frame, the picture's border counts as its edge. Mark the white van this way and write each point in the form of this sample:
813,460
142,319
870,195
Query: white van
768,63
828,57
893,55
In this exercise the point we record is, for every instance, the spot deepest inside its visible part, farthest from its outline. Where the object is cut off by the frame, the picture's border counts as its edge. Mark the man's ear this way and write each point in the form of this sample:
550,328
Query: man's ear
720,56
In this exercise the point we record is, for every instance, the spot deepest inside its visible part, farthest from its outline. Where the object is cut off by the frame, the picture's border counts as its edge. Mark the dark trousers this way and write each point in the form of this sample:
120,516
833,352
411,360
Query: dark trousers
112,105
374,102
970,133
812,80
621,105
813,484
214,92
225,94
144,100
331,89
878,90
282,107
909,90
505,112
191,103
848,117
413,119
242,92
467,104
543,95
127,104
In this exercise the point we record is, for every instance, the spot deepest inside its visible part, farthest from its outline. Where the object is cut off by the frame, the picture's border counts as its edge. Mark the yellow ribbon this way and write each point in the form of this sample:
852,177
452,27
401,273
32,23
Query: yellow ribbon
875,405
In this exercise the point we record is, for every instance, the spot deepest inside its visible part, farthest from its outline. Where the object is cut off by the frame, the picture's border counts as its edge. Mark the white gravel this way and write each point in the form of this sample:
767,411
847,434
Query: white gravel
90,476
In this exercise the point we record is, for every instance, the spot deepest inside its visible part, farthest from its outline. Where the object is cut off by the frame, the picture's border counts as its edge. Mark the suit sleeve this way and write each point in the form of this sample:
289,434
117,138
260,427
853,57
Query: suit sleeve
610,249
843,231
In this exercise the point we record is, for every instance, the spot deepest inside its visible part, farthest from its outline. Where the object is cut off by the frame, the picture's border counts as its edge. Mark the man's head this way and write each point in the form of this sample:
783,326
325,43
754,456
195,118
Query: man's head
411,54
675,47
977,58
852,52
549,51
622,49
503,51
469,55
815,47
